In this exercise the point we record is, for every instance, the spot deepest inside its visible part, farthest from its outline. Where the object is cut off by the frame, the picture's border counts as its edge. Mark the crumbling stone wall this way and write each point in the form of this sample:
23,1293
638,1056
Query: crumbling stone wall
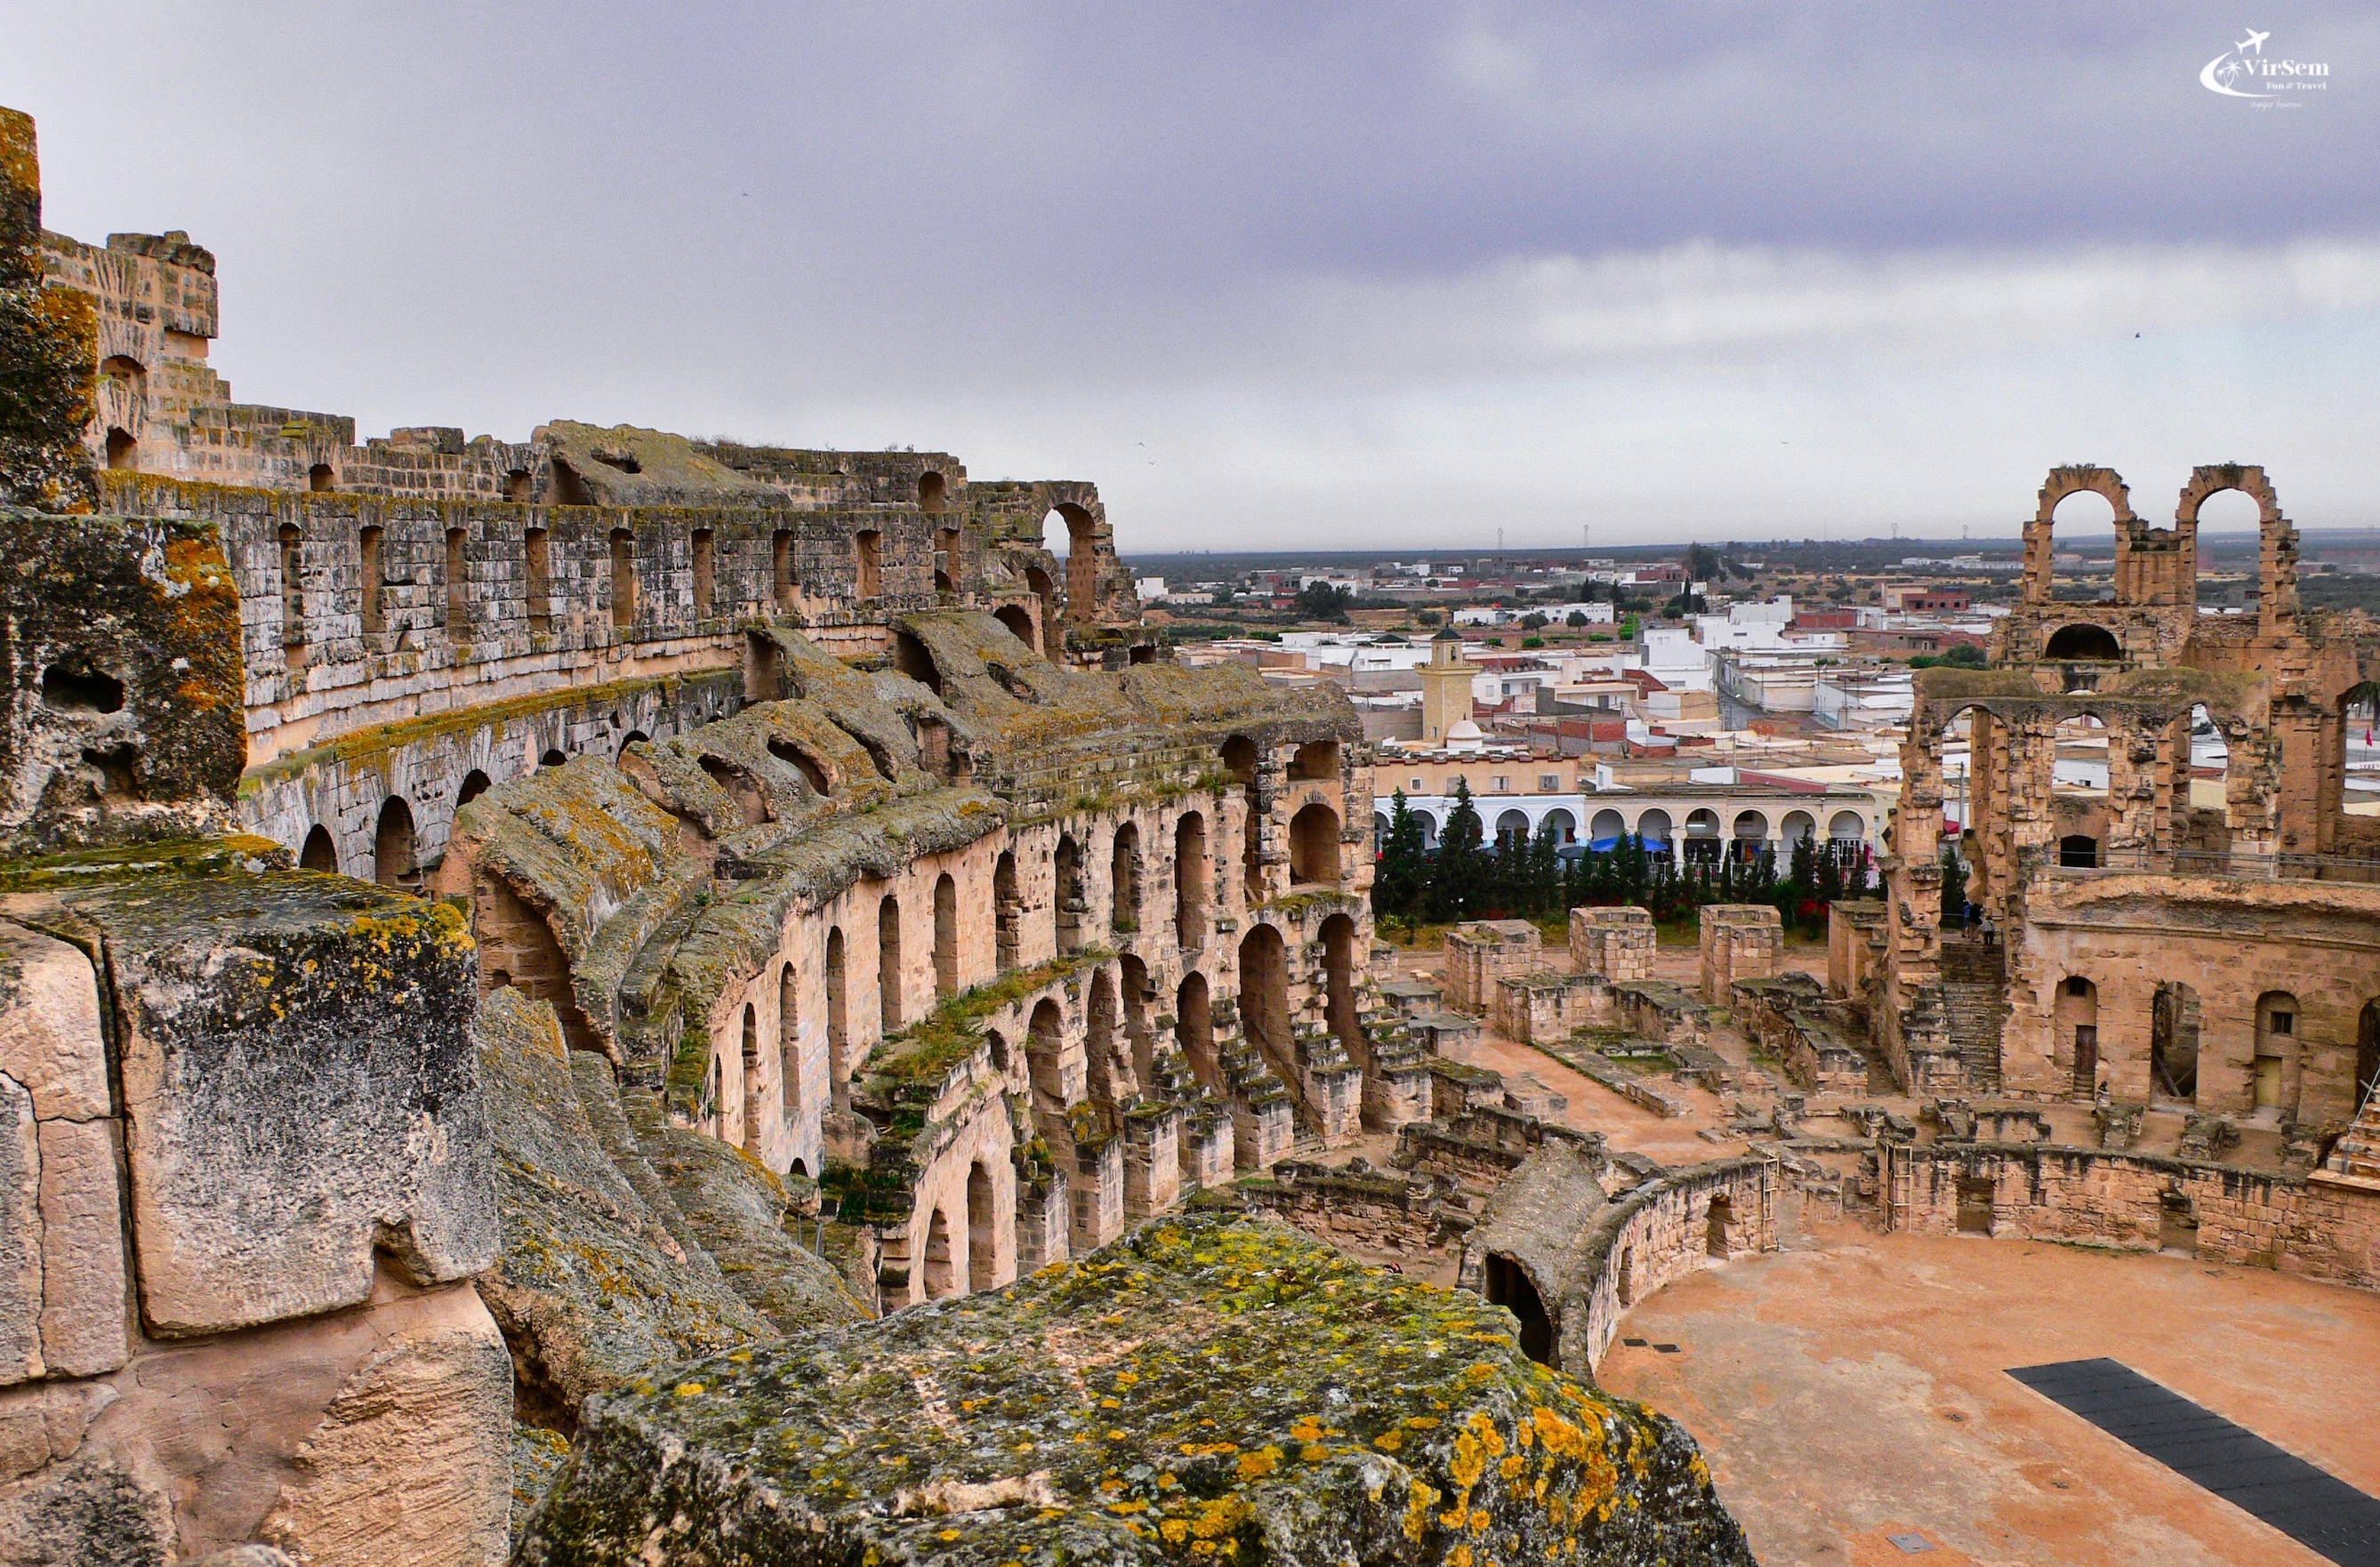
1738,942
1615,942
1678,1222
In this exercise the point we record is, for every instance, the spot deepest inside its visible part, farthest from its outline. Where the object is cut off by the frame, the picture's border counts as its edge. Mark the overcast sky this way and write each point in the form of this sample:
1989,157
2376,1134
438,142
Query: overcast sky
1277,274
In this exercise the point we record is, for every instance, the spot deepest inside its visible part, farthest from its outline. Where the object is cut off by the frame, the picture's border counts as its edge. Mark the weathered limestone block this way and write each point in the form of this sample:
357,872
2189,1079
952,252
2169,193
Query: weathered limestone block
1481,951
50,1038
1280,1402
20,1236
300,1091
87,1512
1615,943
1738,942
412,1462
85,1327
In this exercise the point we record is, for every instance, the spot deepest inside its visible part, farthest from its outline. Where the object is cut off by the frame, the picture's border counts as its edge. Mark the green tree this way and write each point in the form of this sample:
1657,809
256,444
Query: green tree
1401,881
1954,887
1320,601
1459,877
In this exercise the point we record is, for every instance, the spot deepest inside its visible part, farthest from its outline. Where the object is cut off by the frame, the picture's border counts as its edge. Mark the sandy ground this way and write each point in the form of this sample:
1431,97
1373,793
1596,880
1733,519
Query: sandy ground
1856,1388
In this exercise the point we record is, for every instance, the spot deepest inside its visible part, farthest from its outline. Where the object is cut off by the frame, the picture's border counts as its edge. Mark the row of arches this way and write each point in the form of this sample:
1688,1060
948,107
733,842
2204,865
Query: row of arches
2270,1084
1703,829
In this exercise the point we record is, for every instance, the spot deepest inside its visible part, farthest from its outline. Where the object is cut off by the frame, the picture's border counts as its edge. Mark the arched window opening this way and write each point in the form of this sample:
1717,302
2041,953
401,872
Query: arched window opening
2083,526
789,1044
1133,988
538,550
293,586
1317,760
1079,531
321,479
1716,1222
554,758
1194,1025
123,451
633,737
1314,845
1845,827
372,572
751,800
564,487
1564,826
868,556
1751,832
1066,867
910,657
932,495
2077,851
888,963
1124,878
946,560
321,851
2273,1084
1604,833
2173,1044
1798,828
393,861
623,578
752,1091
2082,643
1019,622
1655,828
1702,837
781,567
1264,987
940,1274
1191,874
946,935
131,375
983,1237
1511,832
458,585
1339,985
996,1043
1007,911
2229,530
1508,1285
1099,1039
1239,756
2076,1014
838,1022
519,487
706,570
813,772
474,784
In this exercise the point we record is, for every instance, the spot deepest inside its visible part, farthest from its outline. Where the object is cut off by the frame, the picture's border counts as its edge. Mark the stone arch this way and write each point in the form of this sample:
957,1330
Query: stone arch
321,479
1314,846
2082,641
838,1019
1798,827
321,853
1007,911
1101,1017
911,658
552,757
1124,878
2074,1014
983,1228
1019,621
1655,829
623,578
1607,827
1191,875
2077,851
1702,834
371,584
1719,1217
751,800
1194,1025
941,1272
802,760
1512,830
1264,987
2274,1073
474,784
1564,825
946,935
1751,826
1239,756
2062,484
1846,827
888,963
933,492
1317,760
789,1042
1339,985
752,1080
394,861
2173,1041
123,449
996,1043
633,737
1507,1283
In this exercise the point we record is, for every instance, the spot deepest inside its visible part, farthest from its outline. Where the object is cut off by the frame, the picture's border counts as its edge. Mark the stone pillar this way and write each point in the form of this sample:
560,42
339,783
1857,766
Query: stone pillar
1615,943
1738,942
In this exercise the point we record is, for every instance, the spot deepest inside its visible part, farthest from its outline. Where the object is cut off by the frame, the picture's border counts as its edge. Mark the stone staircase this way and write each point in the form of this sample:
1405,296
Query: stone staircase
1974,1005
2355,1158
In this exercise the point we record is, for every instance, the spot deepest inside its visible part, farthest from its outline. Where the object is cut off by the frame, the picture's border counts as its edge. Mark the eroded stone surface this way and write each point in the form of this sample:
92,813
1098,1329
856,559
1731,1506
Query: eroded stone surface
1211,1387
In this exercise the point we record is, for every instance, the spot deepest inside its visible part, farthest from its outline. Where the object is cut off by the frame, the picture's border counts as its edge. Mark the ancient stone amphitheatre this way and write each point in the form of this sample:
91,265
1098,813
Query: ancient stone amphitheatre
621,998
